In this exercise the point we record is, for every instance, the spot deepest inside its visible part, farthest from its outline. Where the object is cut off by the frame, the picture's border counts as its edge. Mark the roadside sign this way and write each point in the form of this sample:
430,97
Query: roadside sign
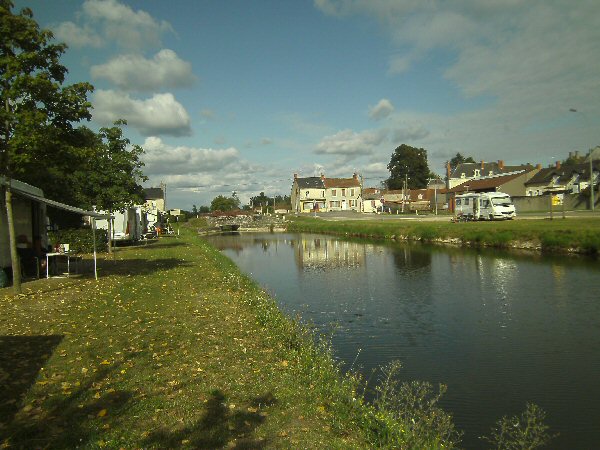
557,199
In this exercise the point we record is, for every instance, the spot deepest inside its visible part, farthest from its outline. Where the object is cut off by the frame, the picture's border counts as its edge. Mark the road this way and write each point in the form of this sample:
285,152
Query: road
352,215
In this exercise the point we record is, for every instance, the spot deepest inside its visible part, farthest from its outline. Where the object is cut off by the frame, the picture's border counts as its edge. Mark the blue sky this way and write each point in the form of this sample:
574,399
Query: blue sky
240,95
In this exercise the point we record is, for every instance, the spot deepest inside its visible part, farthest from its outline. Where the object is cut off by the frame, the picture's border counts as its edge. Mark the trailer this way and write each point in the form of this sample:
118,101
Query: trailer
127,225
484,206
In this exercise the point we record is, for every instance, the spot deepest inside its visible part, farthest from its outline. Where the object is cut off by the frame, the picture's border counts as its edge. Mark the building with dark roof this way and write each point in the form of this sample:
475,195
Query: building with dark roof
326,194
573,178
470,171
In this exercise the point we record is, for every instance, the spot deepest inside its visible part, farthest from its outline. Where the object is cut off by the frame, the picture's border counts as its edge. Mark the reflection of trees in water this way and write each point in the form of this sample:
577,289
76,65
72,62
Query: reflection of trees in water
410,259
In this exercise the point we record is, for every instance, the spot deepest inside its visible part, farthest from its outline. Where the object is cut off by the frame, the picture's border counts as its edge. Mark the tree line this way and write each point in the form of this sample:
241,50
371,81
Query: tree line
43,142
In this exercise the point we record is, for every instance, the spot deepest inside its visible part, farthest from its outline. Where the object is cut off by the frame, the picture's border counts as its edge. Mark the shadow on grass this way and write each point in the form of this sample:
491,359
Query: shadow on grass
21,358
220,426
152,243
131,267
68,417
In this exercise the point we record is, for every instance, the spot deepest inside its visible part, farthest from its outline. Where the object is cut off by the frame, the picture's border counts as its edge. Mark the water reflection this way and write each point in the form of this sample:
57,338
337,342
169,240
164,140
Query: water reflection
327,253
500,330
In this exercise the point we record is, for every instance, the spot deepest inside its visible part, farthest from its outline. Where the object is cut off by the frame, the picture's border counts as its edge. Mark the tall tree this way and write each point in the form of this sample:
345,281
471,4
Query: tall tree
115,172
408,164
459,159
33,99
222,203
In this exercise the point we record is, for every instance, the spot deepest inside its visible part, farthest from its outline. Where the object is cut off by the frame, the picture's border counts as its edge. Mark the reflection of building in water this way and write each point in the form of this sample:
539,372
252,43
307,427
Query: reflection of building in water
328,253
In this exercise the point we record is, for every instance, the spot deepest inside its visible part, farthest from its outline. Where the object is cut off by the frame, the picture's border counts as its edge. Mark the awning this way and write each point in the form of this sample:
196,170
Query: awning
25,190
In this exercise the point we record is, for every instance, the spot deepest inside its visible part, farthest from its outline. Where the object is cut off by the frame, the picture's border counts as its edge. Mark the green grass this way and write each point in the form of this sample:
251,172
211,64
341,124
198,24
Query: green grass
581,234
174,347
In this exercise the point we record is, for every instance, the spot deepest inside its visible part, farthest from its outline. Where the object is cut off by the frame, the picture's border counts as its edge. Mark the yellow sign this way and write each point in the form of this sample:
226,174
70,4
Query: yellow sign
557,199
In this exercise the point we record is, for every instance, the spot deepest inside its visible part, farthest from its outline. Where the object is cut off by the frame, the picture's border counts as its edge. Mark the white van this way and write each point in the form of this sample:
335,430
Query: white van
484,206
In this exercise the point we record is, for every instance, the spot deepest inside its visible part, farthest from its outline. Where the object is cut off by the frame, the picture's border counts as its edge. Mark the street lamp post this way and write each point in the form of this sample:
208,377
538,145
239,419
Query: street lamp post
573,110
591,181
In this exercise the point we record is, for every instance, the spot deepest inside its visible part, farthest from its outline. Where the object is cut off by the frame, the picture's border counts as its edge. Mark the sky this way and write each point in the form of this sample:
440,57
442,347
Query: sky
238,95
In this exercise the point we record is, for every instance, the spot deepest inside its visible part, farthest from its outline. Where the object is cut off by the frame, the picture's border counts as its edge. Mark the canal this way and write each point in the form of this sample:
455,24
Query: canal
499,329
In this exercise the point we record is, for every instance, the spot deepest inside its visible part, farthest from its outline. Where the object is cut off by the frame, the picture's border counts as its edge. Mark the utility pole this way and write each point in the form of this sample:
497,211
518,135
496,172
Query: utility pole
405,189
591,181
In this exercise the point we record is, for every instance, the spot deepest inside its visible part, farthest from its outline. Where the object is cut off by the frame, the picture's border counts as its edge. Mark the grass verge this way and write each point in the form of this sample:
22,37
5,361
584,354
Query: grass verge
173,347
580,235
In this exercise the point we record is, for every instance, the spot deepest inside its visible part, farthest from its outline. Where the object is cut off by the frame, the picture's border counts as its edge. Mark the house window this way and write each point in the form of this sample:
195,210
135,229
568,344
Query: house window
420,196
306,194
463,175
458,202
334,204
334,193
476,172
343,192
466,201
351,192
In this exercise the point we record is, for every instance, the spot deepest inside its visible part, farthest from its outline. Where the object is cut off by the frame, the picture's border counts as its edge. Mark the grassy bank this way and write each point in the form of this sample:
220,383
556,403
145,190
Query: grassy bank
580,235
173,347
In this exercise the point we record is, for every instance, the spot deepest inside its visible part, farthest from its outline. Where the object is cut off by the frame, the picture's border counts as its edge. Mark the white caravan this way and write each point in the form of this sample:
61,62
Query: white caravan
126,226
484,206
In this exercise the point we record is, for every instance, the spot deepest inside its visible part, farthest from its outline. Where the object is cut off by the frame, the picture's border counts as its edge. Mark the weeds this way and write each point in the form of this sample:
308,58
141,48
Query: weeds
407,415
525,432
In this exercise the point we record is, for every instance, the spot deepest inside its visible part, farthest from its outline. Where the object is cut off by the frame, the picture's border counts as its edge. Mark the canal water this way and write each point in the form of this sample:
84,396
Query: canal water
499,329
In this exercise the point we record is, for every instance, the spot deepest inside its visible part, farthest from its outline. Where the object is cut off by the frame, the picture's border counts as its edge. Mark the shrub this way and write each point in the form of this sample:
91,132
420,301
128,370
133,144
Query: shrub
80,240
527,431
407,415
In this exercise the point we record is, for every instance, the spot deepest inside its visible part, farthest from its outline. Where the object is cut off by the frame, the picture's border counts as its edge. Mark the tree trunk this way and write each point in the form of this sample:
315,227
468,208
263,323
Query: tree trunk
109,232
14,256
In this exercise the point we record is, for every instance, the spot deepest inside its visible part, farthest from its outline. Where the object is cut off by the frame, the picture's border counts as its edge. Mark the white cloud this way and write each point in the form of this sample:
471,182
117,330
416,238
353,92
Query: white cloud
159,115
351,144
522,53
109,20
525,63
161,158
75,36
136,73
129,28
412,132
381,110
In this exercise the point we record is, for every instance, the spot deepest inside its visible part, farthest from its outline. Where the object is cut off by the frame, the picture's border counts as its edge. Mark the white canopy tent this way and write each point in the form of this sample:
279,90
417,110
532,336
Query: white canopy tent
22,190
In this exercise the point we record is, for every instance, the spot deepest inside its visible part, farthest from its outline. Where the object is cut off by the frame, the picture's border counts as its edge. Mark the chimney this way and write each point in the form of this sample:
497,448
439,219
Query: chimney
558,164
482,164
295,176
323,177
355,176
538,166
501,164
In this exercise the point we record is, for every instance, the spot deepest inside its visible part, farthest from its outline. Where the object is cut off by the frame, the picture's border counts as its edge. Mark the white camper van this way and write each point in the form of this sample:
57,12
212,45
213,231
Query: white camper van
484,206
127,226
